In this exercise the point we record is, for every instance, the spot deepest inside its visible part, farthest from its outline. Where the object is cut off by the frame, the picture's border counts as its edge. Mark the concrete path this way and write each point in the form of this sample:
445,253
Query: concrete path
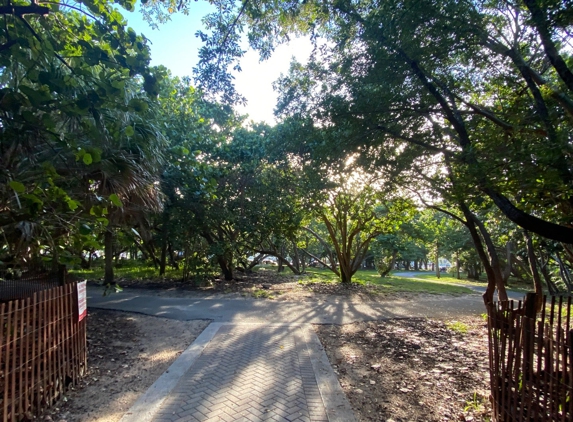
249,372
335,311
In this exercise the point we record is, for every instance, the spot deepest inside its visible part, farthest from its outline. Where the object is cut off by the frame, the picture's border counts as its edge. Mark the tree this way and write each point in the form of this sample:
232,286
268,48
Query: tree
65,71
241,199
354,211
436,78
458,82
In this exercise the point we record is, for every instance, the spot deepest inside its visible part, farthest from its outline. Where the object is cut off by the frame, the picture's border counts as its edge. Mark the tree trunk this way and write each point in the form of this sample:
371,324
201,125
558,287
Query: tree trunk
438,269
385,270
534,271
509,254
226,268
108,251
171,253
281,266
163,259
345,275
491,264
164,240
564,272
296,257
90,259
458,265
553,290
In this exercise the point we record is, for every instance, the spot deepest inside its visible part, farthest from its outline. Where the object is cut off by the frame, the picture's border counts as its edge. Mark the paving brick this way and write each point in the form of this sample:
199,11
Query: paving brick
248,373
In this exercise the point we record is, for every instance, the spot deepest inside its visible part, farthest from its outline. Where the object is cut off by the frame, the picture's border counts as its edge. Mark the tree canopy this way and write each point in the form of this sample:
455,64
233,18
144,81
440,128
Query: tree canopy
465,107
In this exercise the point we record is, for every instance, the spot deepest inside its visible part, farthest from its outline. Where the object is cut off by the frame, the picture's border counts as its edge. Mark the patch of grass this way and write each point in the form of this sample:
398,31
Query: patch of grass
129,270
319,275
262,294
401,284
445,278
273,269
475,404
513,284
389,284
458,327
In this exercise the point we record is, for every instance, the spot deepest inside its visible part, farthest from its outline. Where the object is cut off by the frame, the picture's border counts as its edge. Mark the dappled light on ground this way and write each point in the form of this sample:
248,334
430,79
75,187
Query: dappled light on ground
126,354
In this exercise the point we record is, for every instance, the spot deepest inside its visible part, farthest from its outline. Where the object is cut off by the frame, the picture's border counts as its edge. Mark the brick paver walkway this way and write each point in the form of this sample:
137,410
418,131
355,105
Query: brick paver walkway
248,373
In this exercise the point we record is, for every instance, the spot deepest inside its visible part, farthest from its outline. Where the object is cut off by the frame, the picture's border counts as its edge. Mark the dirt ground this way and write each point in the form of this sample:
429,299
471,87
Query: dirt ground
401,370
126,354
414,369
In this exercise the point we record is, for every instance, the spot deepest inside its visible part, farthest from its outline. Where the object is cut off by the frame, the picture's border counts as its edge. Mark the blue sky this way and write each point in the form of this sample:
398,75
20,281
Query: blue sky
175,46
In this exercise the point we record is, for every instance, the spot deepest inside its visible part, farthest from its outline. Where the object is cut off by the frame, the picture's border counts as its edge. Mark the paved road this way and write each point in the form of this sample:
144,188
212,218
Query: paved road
335,311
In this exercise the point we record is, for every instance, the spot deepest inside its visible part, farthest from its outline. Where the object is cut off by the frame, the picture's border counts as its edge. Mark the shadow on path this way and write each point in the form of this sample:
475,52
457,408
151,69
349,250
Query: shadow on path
335,311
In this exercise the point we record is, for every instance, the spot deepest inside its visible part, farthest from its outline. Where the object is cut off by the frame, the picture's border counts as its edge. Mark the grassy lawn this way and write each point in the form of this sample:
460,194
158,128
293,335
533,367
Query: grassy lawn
390,284
513,284
128,270
446,278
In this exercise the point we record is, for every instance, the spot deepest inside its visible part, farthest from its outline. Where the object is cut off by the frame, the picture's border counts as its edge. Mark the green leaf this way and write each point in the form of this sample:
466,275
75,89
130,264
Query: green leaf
85,229
129,131
138,105
29,116
36,96
73,204
17,186
33,198
98,211
87,159
115,200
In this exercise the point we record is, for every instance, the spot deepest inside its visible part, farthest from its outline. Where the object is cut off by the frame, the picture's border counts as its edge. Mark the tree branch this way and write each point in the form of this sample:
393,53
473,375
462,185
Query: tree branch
539,19
20,11
416,142
529,222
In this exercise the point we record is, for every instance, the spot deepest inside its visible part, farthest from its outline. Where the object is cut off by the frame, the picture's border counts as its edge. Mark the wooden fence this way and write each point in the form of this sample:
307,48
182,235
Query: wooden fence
42,351
531,361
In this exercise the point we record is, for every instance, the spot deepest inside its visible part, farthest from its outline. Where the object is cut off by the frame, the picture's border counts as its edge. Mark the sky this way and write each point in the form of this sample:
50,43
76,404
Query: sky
175,46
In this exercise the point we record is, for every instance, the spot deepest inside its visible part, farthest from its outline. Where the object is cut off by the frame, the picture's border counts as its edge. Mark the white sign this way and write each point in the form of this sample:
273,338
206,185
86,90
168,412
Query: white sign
82,300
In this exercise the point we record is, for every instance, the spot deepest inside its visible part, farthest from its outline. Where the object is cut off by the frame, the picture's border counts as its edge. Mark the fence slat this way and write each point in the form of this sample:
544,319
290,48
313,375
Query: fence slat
531,361
14,329
20,364
3,355
36,373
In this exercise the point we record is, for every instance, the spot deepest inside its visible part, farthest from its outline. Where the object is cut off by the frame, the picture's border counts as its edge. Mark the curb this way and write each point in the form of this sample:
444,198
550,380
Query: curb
150,402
